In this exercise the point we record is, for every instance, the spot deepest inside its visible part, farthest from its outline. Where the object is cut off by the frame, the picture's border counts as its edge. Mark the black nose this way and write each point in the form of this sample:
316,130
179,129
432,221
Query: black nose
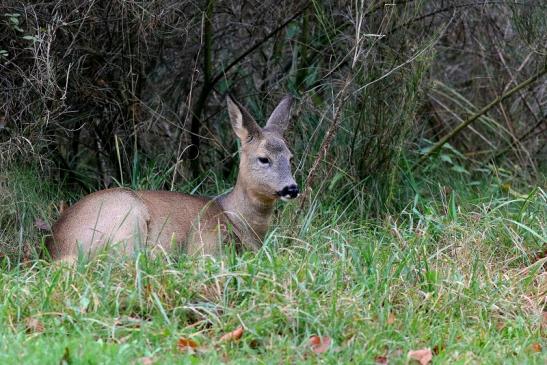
290,191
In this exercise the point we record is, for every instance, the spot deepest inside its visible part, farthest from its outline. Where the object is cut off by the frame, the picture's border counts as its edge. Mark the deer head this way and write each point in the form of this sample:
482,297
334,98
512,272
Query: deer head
265,160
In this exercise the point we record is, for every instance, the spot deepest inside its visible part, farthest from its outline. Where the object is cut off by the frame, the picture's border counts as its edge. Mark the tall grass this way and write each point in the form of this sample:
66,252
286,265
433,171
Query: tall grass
458,270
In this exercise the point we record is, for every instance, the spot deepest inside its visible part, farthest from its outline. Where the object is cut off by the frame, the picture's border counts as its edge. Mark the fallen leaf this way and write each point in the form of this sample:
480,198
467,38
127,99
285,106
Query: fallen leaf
438,349
234,335
320,344
147,360
186,344
391,318
33,325
535,347
254,344
380,360
423,356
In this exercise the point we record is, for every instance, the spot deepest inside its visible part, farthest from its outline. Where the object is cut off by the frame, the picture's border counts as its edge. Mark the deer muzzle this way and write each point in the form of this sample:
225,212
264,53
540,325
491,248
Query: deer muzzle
289,192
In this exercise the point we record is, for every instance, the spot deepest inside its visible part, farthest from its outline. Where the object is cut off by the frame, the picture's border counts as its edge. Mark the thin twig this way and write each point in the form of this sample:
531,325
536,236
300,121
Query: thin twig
477,115
329,136
523,138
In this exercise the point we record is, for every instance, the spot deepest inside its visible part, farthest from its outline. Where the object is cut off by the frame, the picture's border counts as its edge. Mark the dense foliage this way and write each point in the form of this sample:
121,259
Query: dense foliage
95,90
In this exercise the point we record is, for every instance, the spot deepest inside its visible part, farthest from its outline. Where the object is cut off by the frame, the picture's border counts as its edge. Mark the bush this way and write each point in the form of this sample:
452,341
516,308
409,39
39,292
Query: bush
95,92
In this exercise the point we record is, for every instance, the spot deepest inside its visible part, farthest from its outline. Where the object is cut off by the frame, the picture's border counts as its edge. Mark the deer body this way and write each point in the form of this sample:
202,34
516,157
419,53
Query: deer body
194,224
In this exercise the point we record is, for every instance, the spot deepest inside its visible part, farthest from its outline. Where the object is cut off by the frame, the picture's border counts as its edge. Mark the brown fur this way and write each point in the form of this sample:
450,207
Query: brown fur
198,225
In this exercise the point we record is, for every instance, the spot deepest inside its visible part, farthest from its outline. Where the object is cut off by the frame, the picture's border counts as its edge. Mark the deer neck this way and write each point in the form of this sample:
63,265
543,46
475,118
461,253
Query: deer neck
249,213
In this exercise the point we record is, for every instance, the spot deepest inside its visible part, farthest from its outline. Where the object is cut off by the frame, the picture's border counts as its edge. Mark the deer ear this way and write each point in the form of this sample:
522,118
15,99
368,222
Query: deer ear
279,120
244,125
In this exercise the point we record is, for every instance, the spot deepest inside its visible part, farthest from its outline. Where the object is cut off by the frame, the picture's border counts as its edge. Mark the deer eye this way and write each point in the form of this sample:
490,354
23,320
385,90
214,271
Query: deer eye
264,160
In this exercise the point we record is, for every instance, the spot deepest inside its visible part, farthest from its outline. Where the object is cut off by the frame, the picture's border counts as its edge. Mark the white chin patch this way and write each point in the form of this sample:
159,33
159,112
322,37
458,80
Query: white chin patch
286,198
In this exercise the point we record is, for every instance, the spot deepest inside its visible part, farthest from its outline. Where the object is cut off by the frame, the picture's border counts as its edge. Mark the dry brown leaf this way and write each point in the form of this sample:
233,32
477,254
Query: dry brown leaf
147,360
234,335
186,344
33,325
437,349
391,318
320,344
423,356
380,360
536,347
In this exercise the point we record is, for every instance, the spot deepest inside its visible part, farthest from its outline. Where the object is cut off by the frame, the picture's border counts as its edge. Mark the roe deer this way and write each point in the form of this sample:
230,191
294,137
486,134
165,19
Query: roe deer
195,224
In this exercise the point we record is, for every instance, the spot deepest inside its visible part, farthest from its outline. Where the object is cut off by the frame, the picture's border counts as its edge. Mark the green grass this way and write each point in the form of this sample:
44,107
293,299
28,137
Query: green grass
457,271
